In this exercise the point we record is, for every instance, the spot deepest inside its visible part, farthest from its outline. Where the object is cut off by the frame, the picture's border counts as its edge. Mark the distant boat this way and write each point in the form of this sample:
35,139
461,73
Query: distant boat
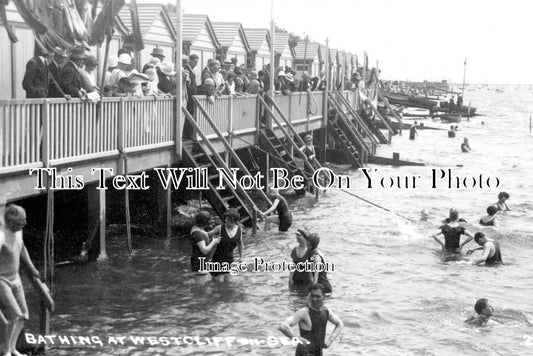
498,90
450,118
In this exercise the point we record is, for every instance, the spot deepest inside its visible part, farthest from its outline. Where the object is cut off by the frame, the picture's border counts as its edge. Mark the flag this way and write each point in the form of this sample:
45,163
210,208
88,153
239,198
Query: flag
136,27
104,21
366,61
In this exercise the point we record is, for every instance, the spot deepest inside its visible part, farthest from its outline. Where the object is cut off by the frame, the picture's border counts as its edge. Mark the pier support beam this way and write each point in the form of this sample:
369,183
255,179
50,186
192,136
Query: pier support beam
164,208
97,216
321,145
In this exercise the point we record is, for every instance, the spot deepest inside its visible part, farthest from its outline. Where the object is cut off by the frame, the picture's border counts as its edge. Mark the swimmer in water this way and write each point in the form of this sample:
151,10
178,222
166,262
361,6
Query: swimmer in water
484,311
452,233
490,219
491,251
465,146
501,203
424,214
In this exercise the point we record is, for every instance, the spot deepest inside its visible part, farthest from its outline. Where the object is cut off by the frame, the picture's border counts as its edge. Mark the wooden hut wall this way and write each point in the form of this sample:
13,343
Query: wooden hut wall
158,35
204,48
237,50
262,57
14,56
286,57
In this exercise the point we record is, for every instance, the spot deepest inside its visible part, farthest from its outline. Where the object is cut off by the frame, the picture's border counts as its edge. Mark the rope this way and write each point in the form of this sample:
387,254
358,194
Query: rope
48,248
376,205
309,106
124,157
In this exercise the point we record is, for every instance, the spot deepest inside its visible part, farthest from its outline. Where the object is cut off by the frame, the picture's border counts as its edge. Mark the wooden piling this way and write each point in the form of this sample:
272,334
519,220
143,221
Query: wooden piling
97,215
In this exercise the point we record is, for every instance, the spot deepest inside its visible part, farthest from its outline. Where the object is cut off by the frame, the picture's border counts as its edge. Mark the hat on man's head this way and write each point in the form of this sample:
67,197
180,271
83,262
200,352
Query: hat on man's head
158,52
308,138
281,73
77,53
168,68
60,52
193,57
90,61
289,76
124,58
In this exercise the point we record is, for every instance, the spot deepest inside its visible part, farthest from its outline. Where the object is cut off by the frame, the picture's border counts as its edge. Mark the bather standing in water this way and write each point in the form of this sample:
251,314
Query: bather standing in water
284,218
300,254
452,232
491,251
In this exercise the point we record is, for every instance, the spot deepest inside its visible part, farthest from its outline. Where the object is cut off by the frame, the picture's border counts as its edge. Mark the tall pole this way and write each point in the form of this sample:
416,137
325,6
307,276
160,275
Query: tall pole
179,95
464,76
272,54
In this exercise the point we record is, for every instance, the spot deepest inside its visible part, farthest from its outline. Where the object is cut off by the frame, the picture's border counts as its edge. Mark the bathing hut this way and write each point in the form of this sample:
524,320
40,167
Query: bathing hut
156,27
259,41
284,53
199,38
307,58
233,42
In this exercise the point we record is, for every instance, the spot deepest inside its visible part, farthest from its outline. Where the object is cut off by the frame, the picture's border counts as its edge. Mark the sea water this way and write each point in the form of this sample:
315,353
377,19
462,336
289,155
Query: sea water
390,288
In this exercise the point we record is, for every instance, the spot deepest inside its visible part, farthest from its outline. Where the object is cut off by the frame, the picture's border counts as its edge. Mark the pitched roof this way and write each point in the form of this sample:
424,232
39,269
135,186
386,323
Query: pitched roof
256,36
306,53
147,13
192,24
281,40
227,31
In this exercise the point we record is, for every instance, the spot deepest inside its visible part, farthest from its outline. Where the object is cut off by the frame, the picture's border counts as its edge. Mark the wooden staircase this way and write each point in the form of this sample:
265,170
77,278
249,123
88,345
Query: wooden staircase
281,153
196,156
364,126
202,154
347,135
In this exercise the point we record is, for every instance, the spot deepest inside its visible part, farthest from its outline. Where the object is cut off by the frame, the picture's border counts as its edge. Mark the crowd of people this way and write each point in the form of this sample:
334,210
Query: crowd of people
452,231
58,74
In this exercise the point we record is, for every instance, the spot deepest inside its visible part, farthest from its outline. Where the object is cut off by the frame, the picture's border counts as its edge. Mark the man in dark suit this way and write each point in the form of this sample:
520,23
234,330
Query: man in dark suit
35,81
59,58
70,75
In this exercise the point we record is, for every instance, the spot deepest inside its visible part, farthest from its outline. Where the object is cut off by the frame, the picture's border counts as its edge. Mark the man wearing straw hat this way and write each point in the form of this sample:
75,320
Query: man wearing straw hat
156,53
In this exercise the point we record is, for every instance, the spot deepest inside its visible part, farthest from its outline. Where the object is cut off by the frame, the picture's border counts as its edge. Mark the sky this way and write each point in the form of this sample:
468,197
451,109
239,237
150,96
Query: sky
412,39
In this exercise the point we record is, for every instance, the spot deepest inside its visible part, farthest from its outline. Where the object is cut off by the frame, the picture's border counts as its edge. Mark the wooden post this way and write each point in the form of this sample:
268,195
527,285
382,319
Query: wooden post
164,206
178,118
97,215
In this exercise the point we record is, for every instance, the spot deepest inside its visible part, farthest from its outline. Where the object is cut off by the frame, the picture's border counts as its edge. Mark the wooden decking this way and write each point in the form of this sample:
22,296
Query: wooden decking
75,136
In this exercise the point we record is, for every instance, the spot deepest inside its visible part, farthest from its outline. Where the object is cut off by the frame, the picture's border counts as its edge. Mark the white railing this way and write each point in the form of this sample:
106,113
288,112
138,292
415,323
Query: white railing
47,132
20,132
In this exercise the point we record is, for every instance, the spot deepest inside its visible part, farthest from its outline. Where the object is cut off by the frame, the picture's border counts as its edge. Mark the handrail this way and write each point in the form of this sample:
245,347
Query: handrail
219,159
359,120
354,133
306,160
396,116
385,122
228,147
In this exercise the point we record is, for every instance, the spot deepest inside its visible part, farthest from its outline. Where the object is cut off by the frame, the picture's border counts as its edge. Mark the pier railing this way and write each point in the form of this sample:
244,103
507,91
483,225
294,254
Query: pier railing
48,132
